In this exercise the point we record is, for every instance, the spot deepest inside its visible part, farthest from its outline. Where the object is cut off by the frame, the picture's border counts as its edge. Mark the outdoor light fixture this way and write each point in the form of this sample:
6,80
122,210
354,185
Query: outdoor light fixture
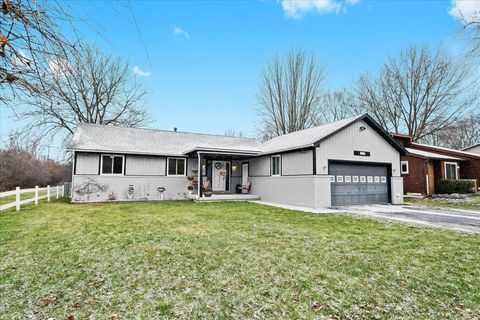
234,167
362,128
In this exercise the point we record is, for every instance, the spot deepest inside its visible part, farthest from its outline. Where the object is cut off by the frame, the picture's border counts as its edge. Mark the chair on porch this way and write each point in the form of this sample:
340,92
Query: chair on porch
206,185
246,187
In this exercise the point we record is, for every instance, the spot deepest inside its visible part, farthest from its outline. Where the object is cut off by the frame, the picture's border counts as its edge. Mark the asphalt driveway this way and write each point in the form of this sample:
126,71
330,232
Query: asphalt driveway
461,220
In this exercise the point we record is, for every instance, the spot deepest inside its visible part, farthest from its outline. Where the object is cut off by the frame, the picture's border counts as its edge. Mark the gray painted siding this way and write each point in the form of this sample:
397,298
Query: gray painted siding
397,190
145,165
145,188
259,167
87,163
307,191
297,163
299,190
342,145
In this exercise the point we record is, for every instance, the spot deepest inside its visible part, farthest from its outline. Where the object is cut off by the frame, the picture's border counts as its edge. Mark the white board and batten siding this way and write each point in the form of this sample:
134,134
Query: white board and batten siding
342,145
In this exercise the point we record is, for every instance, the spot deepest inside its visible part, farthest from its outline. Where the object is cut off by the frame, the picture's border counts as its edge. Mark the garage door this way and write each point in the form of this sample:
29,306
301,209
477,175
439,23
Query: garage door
359,184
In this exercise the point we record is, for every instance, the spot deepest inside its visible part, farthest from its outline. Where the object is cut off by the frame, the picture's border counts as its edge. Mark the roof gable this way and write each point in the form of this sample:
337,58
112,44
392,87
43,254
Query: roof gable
91,137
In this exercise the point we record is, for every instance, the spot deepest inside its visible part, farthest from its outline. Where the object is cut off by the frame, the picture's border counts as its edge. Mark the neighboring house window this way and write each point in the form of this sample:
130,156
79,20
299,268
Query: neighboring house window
451,170
404,167
112,164
176,166
275,165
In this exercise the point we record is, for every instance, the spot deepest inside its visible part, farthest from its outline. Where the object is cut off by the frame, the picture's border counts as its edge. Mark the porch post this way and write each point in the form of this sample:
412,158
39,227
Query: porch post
199,178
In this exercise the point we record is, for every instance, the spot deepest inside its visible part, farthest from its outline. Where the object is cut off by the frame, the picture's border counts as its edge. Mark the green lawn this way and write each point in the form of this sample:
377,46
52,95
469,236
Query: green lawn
474,204
229,260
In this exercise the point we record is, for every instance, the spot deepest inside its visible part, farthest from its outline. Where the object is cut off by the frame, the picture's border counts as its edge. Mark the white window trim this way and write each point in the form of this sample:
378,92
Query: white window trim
184,167
401,167
279,165
445,169
112,155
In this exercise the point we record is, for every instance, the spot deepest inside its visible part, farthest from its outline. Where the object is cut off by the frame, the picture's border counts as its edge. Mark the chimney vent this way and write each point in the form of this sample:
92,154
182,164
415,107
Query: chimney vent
175,129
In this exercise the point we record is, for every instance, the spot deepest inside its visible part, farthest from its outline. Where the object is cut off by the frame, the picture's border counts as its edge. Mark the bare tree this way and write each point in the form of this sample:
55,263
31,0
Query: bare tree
91,87
234,134
22,165
459,135
419,93
290,94
29,38
338,105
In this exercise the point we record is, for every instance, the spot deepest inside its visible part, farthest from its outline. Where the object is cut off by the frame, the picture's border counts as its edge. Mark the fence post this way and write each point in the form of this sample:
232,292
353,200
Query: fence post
36,195
58,191
48,193
63,191
17,198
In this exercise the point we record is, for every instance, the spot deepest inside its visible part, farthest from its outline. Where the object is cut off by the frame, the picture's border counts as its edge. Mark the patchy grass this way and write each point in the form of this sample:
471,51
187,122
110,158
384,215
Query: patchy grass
473,204
228,260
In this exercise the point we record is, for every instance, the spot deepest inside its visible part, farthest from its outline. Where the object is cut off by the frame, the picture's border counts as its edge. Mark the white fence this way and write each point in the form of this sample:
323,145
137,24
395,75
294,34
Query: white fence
57,191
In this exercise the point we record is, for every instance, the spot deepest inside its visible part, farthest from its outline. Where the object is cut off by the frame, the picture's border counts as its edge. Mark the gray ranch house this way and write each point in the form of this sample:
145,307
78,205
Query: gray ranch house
351,161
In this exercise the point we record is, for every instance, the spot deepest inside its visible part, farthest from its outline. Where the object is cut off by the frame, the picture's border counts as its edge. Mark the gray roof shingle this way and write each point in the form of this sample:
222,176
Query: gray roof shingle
92,137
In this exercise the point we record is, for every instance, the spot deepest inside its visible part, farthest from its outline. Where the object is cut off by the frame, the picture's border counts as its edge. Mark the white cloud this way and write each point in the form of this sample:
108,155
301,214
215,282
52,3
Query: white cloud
139,72
59,67
179,32
465,10
298,8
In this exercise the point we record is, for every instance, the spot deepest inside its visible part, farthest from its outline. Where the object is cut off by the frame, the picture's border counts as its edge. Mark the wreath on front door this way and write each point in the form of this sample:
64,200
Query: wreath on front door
218,165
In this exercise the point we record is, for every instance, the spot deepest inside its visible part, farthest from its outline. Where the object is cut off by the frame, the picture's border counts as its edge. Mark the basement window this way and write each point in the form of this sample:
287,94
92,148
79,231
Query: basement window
112,164
404,167
176,166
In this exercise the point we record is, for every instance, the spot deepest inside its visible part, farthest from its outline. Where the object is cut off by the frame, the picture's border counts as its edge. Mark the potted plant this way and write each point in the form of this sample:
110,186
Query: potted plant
190,178
207,192
190,189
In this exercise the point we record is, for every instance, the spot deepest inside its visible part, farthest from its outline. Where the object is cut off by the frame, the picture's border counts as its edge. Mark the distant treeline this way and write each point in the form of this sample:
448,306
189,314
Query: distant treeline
22,168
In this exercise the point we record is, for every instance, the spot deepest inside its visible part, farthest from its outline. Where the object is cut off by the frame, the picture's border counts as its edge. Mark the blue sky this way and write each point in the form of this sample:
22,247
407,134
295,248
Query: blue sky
201,61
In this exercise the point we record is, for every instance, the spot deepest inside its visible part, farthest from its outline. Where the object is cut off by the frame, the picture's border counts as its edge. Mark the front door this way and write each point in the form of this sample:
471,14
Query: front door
244,173
219,175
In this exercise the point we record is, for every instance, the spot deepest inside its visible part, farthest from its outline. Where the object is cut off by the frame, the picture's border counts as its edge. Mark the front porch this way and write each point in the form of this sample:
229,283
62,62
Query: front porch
221,174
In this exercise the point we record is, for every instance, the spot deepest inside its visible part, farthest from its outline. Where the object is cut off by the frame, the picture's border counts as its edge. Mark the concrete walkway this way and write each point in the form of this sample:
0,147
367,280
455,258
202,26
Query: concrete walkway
454,219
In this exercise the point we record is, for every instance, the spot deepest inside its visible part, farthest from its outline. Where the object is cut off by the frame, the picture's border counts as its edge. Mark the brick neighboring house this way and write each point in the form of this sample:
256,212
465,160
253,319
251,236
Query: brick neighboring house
425,164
